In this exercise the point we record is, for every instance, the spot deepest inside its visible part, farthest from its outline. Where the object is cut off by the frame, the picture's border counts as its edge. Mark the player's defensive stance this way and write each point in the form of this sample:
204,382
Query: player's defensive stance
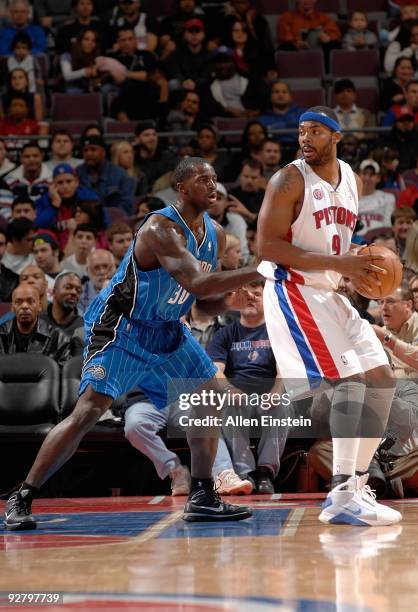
305,226
134,337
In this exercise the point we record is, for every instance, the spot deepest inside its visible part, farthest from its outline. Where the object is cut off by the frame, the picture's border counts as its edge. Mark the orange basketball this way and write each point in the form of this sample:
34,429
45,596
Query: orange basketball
389,281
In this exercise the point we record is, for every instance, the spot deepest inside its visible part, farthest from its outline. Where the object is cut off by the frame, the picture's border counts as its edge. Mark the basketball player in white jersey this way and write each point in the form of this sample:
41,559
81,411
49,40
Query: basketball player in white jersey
304,239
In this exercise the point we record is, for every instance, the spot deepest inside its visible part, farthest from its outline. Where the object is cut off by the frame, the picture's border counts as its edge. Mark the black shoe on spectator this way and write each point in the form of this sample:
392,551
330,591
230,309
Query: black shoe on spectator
206,505
17,514
265,479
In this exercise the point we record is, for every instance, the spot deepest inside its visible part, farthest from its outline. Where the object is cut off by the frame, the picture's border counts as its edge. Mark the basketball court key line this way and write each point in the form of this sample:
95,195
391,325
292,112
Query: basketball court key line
293,522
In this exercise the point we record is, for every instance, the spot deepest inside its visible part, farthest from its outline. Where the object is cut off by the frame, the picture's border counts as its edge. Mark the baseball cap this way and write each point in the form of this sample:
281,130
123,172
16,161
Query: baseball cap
45,238
146,124
370,163
63,169
195,23
221,189
94,140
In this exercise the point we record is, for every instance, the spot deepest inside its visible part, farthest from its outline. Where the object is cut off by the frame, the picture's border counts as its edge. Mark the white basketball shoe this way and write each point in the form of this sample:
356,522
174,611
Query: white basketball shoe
354,503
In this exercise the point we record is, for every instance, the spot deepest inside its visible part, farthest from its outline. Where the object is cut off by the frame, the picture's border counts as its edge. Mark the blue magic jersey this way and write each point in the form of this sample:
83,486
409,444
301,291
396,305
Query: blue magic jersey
154,295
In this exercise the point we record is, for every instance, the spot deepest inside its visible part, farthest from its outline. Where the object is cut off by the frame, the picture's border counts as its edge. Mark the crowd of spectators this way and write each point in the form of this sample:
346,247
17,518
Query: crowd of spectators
201,80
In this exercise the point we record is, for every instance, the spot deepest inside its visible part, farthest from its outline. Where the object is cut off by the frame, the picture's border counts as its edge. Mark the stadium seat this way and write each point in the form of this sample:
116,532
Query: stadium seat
74,127
225,124
300,64
29,394
308,97
354,63
160,8
76,107
368,6
122,128
367,97
5,307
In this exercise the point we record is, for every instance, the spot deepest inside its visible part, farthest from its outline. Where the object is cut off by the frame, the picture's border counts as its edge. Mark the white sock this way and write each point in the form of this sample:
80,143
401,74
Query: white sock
346,410
344,456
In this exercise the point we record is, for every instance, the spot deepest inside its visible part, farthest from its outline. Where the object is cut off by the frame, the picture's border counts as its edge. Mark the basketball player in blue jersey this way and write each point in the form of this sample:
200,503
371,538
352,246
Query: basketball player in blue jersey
305,227
134,337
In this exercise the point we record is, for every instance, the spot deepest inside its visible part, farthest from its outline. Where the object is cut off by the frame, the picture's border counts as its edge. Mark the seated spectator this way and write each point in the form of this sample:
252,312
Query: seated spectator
386,240
350,116
375,207
408,12
113,186
122,154
358,36
145,26
188,66
388,159
248,194
50,13
150,157
84,244
403,138
88,212
119,237
100,269
32,178
413,284
306,28
350,150
137,75
232,257
6,166
394,88
29,333
9,280
399,334
358,301
242,353
22,58
172,26
230,221
409,108
246,52
231,94
207,140
402,220
84,18
33,275
62,148
185,117
20,22
23,208
411,253
146,205
79,68
19,237
252,240
56,208
258,29
405,45
271,156
47,255
411,176
17,122
18,83
283,113
253,137
62,313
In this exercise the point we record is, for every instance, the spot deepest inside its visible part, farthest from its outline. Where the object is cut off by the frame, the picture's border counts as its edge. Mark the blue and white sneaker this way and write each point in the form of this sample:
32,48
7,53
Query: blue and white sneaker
354,503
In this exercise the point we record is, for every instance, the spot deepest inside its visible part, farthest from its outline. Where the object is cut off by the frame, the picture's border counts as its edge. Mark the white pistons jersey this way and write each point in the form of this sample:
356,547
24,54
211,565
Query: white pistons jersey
325,225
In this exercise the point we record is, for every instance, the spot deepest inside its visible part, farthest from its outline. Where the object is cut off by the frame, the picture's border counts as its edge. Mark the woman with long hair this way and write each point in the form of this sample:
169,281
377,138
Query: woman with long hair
18,83
88,212
404,45
394,88
122,154
245,49
79,67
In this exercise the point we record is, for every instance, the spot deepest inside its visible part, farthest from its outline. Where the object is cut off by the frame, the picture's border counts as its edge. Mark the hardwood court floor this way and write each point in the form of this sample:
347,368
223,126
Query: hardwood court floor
136,553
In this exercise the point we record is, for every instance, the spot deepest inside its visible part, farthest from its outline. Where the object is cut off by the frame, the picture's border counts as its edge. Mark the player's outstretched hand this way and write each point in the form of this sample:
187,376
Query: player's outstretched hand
359,267
237,300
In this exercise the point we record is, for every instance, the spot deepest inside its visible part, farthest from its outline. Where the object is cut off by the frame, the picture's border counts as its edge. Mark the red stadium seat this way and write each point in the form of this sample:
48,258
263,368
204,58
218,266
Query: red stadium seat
5,307
231,123
354,63
76,107
124,128
293,64
367,97
368,6
308,97
160,8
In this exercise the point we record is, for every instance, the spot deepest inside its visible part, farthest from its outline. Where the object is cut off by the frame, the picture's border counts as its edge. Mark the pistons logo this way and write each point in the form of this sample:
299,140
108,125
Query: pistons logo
317,194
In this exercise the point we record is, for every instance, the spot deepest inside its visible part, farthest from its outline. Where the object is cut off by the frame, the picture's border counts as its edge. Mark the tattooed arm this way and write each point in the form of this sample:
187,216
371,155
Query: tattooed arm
282,203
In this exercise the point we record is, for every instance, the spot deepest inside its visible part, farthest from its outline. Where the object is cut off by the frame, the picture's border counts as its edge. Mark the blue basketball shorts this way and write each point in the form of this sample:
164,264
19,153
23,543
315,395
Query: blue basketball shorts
162,359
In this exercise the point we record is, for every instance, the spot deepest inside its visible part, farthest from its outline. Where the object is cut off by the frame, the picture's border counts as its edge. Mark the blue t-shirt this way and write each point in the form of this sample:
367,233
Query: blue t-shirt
245,351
